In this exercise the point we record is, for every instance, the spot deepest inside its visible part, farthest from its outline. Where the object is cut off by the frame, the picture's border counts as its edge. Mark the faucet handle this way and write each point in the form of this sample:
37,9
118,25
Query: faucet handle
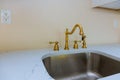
75,46
56,46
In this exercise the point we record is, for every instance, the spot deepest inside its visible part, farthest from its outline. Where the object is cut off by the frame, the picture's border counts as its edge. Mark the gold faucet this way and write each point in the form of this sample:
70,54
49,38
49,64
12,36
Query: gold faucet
56,46
73,30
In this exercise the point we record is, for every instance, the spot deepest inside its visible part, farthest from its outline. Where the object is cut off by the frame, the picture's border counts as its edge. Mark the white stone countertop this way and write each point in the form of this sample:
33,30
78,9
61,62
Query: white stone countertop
28,65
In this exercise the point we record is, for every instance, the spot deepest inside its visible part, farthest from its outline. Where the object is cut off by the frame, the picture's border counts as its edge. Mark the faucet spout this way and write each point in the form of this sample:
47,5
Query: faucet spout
73,30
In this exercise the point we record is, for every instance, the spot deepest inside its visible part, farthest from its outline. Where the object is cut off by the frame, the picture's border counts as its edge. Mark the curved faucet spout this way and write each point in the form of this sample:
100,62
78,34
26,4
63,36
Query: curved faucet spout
73,30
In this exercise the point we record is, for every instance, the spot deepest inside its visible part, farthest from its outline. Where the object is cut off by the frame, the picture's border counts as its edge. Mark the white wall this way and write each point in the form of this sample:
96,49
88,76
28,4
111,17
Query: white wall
36,22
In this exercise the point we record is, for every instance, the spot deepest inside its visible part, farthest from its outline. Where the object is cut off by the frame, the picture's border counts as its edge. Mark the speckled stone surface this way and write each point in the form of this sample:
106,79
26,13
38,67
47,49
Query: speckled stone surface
28,65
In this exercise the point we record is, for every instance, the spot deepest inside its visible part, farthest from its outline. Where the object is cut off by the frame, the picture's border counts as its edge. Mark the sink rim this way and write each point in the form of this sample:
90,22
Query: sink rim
58,53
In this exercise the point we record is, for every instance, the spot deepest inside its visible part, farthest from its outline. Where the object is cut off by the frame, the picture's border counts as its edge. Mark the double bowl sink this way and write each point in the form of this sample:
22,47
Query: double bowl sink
81,66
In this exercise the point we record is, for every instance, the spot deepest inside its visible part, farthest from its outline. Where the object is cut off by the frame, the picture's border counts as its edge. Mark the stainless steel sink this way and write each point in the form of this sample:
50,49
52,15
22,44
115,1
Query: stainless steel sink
83,66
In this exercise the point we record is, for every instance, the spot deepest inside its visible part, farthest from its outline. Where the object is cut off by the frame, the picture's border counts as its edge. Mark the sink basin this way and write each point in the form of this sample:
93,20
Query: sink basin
82,66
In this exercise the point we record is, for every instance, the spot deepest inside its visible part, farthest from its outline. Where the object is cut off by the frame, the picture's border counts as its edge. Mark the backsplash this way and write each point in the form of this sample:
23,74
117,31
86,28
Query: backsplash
36,22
